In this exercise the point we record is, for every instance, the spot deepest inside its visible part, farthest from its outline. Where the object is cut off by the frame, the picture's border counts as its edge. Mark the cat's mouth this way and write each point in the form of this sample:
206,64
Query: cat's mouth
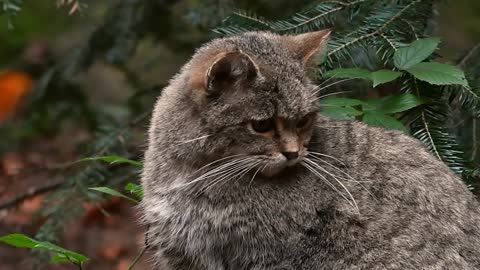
277,163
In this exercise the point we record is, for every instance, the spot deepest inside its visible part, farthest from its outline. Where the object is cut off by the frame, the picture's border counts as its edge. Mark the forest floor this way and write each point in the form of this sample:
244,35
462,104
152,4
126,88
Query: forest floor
111,242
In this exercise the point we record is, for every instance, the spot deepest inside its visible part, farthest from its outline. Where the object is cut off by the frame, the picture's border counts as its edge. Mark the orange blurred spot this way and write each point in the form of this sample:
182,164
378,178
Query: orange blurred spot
13,86
113,253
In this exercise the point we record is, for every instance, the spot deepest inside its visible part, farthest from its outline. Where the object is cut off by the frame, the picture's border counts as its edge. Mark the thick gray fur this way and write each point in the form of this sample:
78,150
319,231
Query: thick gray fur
413,211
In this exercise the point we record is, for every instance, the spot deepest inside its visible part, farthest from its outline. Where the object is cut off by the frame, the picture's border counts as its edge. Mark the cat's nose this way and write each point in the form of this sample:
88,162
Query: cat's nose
290,155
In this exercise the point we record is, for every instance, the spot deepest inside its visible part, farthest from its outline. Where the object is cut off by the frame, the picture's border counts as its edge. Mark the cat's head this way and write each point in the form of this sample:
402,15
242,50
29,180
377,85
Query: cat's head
252,100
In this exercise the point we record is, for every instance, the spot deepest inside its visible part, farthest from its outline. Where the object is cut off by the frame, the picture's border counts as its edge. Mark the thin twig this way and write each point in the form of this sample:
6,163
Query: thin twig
50,187
474,138
140,255
468,55
31,193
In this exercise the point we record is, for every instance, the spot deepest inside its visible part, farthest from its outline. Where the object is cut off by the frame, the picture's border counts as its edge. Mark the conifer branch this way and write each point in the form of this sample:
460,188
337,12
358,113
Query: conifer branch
425,124
379,31
306,21
389,41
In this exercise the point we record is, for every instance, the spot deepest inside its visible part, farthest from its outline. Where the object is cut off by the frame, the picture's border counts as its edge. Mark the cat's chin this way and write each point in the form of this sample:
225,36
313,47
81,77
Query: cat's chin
271,171
274,170
278,165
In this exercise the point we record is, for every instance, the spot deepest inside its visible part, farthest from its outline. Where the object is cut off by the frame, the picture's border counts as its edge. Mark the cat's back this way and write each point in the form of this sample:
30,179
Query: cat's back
414,211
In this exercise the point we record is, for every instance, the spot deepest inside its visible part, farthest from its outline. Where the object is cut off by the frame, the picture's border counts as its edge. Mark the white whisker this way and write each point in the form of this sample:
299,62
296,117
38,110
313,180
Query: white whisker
331,94
216,161
311,169
211,173
223,173
192,140
316,91
315,155
261,168
233,174
326,81
336,179
327,156
350,178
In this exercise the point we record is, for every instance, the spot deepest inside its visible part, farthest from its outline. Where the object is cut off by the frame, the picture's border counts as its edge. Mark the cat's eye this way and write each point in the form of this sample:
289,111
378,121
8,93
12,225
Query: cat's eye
263,126
304,122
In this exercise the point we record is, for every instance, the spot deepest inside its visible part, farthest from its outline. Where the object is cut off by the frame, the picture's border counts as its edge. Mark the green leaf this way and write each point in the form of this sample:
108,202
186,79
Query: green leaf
113,192
393,103
438,74
73,257
384,76
341,112
382,120
18,240
59,258
60,255
114,160
419,50
340,101
349,73
135,189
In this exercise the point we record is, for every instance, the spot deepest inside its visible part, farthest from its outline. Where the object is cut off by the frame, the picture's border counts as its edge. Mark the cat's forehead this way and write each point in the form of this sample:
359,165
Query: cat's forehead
282,83
285,77
293,99
270,51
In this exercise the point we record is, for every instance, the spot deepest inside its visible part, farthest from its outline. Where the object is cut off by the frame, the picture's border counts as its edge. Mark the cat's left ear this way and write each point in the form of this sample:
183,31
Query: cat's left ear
310,47
230,69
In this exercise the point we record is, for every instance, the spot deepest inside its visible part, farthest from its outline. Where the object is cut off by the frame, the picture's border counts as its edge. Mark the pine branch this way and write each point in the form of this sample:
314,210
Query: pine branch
429,126
377,24
240,22
467,97
390,42
317,16
309,20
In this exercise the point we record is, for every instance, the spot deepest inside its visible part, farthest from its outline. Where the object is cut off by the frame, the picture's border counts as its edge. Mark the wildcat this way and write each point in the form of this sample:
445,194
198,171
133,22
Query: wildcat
242,172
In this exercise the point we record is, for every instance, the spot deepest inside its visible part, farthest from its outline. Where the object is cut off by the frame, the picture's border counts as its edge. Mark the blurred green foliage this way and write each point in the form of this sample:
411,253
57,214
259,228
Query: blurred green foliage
36,19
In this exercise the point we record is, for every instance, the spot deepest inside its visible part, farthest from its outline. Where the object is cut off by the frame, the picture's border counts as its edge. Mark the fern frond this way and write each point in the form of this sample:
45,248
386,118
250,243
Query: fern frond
387,44
240,22
467,97
440,142
315,18
428,124
378,26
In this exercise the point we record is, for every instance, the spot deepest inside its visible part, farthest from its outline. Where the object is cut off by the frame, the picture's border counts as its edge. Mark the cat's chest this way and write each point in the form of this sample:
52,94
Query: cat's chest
258,221
261,213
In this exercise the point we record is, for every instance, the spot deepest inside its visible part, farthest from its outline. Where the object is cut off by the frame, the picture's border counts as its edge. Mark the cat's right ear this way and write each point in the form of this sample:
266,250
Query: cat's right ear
309,47
228,70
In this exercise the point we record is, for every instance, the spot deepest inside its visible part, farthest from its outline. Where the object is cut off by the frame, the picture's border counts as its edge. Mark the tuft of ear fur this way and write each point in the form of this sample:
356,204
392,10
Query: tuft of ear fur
308,47
229,69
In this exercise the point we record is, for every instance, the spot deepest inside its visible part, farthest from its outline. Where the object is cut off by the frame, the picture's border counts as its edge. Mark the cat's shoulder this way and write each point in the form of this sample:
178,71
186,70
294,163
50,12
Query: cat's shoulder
357,132
356,141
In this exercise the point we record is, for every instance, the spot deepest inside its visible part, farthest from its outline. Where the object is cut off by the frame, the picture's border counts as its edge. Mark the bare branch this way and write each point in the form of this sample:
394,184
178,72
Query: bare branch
32,192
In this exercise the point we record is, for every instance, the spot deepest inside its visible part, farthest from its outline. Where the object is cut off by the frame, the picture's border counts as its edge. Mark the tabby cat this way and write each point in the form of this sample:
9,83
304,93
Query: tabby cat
242,172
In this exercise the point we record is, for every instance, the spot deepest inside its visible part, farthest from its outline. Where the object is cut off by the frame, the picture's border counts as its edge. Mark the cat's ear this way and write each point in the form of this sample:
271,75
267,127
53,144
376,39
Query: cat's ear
229,69
310,47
